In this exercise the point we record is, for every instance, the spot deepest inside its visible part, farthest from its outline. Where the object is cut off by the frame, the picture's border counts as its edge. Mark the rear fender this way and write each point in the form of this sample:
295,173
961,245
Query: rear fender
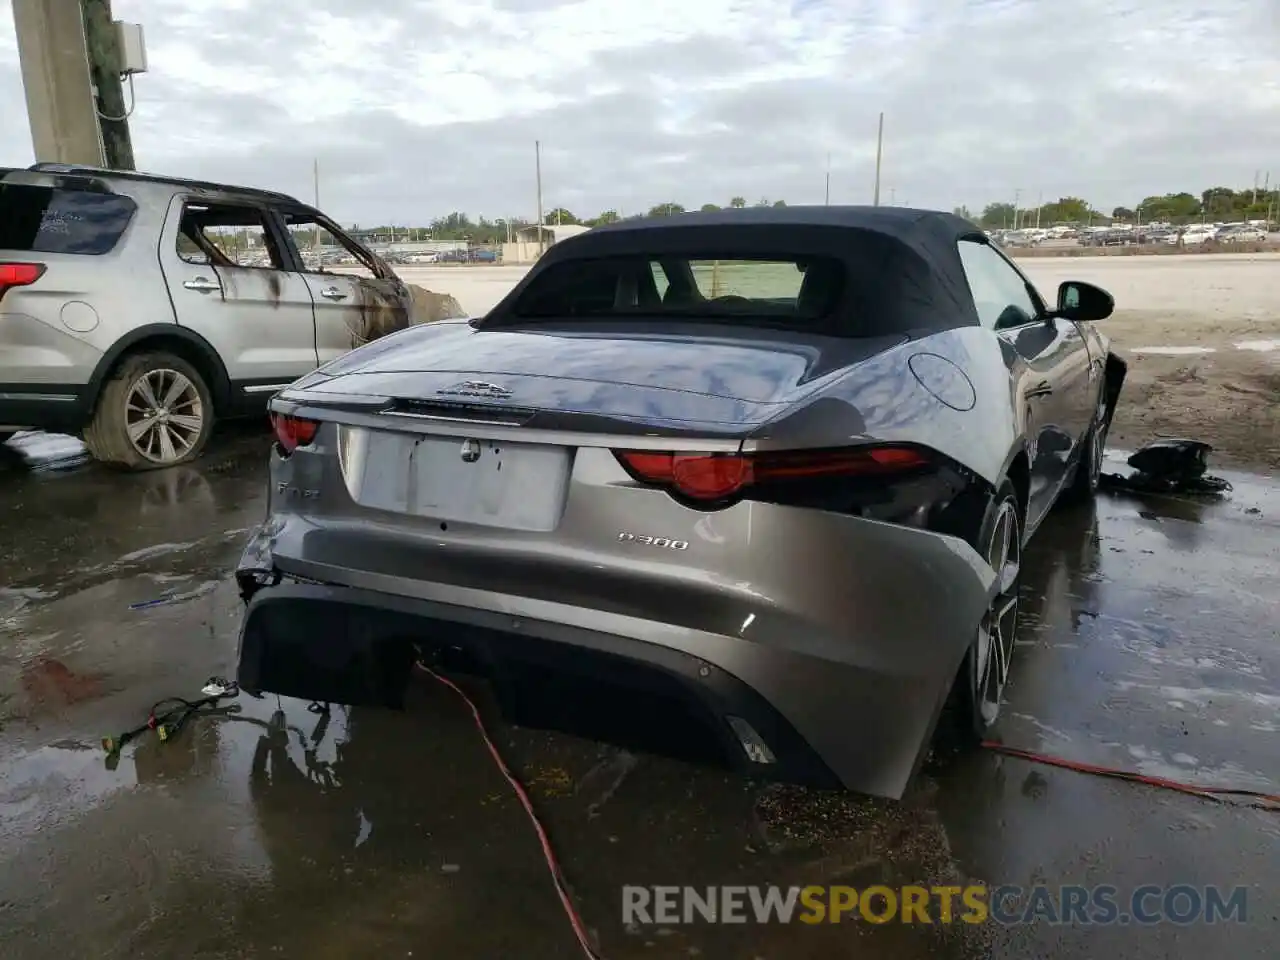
952,392
160,336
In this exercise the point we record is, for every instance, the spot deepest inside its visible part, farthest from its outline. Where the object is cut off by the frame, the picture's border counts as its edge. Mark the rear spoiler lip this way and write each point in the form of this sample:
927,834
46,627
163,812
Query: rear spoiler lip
371,413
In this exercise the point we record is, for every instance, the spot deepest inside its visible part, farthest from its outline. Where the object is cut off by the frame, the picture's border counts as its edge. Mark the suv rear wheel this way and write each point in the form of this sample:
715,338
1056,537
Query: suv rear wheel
155,411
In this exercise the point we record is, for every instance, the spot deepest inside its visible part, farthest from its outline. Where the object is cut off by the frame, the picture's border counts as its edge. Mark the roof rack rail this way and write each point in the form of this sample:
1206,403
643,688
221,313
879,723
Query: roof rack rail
76,169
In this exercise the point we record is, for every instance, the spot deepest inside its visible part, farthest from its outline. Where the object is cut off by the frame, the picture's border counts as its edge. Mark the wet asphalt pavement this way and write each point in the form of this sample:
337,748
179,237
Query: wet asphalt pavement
1150,642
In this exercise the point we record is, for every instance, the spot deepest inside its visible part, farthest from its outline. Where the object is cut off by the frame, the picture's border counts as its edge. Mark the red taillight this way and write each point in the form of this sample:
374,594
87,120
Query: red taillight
19,275
293,432
711,476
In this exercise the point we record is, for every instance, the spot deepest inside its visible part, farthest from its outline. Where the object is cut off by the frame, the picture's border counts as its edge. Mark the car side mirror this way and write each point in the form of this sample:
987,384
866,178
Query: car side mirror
1083,302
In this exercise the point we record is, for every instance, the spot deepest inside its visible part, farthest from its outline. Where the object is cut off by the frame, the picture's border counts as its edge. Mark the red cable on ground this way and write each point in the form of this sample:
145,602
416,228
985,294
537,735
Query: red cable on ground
557,876
1261,800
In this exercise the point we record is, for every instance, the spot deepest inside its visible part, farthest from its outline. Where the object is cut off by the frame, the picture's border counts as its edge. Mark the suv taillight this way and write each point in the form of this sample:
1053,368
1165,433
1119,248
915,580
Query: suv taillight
708,478
19,275
293,432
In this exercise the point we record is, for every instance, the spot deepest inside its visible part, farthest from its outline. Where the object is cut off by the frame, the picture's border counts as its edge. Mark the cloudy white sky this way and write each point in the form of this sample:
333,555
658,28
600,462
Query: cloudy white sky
419,107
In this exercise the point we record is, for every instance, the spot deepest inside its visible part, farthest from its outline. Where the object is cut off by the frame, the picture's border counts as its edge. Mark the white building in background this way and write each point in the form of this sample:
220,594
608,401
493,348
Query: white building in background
525,247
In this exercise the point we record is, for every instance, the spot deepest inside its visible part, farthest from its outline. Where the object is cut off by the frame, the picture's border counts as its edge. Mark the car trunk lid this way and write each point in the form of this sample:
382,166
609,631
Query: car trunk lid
668,376
484,428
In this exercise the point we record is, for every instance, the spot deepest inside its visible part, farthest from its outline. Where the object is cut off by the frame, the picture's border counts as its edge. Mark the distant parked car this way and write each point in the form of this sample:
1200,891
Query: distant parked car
136,309
1193,236
1242,234
1108,238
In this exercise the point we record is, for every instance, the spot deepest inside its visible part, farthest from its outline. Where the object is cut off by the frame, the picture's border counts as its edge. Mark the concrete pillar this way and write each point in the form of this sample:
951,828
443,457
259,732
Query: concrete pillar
55,73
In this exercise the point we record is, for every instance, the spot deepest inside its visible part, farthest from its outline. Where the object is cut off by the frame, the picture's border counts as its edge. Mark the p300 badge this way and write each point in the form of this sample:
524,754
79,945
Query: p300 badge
662,543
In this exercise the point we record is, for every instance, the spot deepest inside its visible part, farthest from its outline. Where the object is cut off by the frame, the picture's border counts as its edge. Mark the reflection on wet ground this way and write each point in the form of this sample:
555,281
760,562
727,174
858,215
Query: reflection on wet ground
271,831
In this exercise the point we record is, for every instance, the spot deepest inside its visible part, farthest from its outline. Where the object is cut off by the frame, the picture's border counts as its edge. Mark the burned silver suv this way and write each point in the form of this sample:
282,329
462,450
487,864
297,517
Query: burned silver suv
137,309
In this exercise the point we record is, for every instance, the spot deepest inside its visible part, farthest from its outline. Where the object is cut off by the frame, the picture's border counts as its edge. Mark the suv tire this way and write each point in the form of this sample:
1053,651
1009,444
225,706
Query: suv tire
155,411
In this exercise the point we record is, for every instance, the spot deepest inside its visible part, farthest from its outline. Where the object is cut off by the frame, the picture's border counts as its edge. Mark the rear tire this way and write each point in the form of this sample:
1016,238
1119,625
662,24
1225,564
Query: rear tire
1084,483
155,411
973,704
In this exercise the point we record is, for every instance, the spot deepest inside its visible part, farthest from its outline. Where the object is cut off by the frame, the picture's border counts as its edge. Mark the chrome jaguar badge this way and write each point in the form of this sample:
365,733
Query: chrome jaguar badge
470,451
475,388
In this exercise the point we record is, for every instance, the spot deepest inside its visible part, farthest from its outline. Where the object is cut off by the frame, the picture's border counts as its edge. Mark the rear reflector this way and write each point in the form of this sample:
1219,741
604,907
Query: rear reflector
19,275
710,477
293,432
753,745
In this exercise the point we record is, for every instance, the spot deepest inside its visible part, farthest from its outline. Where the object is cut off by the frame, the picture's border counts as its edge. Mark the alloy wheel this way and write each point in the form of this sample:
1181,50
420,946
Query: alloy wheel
998,630
164,415
1098,451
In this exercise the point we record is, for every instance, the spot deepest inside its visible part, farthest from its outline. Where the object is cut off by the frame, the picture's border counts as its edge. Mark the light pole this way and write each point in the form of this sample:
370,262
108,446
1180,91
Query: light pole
537,154
879,156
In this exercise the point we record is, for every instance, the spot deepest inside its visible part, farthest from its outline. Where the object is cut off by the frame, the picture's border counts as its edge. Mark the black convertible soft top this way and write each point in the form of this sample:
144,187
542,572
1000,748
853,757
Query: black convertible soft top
905,260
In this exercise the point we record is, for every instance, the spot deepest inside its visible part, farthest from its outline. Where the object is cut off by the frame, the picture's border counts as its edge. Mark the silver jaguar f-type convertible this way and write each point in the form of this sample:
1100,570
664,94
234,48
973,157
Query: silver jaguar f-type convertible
751,486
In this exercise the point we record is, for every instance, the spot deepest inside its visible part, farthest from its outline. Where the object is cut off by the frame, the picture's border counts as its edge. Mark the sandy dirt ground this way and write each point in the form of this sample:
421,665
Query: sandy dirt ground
1203,304
1229,397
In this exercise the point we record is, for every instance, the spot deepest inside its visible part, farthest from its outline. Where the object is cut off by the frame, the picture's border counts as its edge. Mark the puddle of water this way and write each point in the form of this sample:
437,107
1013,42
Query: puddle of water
153,551
1206,697
1048,734
28,780
13,600
1187,769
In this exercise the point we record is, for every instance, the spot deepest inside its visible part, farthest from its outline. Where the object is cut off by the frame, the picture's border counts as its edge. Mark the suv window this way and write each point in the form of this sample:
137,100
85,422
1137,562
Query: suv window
999,292
323,251
227,235
51,220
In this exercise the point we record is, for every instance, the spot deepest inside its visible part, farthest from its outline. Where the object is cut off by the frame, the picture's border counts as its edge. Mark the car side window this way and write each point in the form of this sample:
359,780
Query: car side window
660,280
999,292
323,251
226,235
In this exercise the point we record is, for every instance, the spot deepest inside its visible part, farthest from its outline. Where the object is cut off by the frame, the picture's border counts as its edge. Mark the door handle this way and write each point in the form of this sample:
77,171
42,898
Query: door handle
333,293
203,285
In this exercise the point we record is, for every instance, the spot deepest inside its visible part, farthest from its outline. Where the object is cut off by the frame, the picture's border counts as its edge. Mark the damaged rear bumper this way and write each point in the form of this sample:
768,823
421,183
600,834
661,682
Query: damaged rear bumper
772,706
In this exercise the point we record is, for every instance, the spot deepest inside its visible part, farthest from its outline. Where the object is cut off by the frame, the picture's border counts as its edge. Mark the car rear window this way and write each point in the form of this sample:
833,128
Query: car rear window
50,220
773,289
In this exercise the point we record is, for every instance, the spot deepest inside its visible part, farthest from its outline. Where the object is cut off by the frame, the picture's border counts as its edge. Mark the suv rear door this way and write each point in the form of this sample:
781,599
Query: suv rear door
357,297
228,268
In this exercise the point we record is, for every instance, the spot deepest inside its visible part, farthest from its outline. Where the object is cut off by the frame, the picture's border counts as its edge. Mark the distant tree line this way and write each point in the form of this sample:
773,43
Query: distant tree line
1216,203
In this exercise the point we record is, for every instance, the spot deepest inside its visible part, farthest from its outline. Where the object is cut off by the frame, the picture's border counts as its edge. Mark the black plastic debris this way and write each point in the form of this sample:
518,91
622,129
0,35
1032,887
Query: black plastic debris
1169,466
